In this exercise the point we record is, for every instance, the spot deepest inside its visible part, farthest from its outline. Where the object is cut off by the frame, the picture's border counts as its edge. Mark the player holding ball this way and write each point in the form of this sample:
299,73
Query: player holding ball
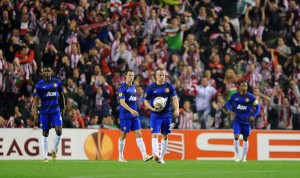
161,117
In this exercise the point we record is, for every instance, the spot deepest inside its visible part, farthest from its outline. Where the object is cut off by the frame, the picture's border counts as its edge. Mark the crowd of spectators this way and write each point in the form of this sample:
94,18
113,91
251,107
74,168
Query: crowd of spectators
206,46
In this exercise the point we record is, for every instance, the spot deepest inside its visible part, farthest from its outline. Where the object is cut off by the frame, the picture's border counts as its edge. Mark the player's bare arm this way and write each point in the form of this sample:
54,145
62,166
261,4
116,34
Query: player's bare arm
36,103
175,106
63,107
232,114
125,105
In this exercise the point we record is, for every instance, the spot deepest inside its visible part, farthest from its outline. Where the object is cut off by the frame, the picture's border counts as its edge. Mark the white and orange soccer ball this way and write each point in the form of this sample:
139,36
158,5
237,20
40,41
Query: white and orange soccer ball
159,103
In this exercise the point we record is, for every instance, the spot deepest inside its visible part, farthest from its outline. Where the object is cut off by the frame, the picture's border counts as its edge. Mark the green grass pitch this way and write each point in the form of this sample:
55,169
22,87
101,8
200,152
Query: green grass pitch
151,169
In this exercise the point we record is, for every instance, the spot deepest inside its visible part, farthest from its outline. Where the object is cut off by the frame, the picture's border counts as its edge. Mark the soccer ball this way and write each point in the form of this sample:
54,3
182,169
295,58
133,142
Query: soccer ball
159,103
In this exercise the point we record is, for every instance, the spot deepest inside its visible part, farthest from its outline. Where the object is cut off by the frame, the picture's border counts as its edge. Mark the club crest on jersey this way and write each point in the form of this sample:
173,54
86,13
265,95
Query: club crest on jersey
134,90
120,94
167,90
124,128
55,85
247,100
34,91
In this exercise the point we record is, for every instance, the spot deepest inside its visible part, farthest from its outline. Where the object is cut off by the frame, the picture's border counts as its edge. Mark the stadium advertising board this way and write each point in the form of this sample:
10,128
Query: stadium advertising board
96,144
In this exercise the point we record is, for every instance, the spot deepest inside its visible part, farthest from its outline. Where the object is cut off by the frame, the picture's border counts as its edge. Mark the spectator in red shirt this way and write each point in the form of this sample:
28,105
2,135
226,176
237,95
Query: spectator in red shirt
76,118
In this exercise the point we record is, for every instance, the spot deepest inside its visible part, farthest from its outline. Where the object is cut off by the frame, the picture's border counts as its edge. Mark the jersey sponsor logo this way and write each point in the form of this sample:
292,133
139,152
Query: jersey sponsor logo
49,94
132,98
247,100
167,90
241,107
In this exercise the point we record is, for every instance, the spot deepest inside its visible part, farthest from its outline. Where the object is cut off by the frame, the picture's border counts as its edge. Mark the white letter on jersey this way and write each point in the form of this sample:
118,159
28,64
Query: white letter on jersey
51,94
132,98
241,107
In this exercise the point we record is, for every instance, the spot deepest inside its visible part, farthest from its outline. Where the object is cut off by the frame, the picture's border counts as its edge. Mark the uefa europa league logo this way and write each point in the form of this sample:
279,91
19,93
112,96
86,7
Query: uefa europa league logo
98,146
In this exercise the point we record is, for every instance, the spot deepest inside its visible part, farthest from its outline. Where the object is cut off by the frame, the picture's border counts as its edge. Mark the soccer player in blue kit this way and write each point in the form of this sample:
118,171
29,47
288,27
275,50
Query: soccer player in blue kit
244,107
129,117
46,96
160,119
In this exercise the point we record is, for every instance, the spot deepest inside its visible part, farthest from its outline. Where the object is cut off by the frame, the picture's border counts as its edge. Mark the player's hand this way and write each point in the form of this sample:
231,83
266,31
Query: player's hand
36,119
157,109
36,123
176,113
292,83
135,113
232,114
63,112
251,119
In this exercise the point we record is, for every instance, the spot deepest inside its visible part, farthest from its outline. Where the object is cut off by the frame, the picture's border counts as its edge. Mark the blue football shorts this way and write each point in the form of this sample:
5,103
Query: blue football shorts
127,125
160,124
240,128
47,121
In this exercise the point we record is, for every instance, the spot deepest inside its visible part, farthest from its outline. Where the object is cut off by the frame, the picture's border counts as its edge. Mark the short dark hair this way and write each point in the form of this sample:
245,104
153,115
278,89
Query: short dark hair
23,47
244,81
93,115
128,70
47,66
51,23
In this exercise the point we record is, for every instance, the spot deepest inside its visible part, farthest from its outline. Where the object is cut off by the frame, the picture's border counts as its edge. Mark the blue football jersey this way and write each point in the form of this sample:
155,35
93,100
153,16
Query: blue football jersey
242,105
128,93
48,92
166,91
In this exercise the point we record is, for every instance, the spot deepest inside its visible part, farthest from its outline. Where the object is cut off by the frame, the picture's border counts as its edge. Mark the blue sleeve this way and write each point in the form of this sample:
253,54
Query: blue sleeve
257,110
173,91
257,107
148,94
60,87
121,93
229,103
36,91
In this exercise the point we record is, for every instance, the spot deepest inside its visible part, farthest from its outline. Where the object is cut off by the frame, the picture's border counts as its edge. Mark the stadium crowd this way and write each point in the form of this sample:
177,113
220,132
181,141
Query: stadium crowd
206,46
